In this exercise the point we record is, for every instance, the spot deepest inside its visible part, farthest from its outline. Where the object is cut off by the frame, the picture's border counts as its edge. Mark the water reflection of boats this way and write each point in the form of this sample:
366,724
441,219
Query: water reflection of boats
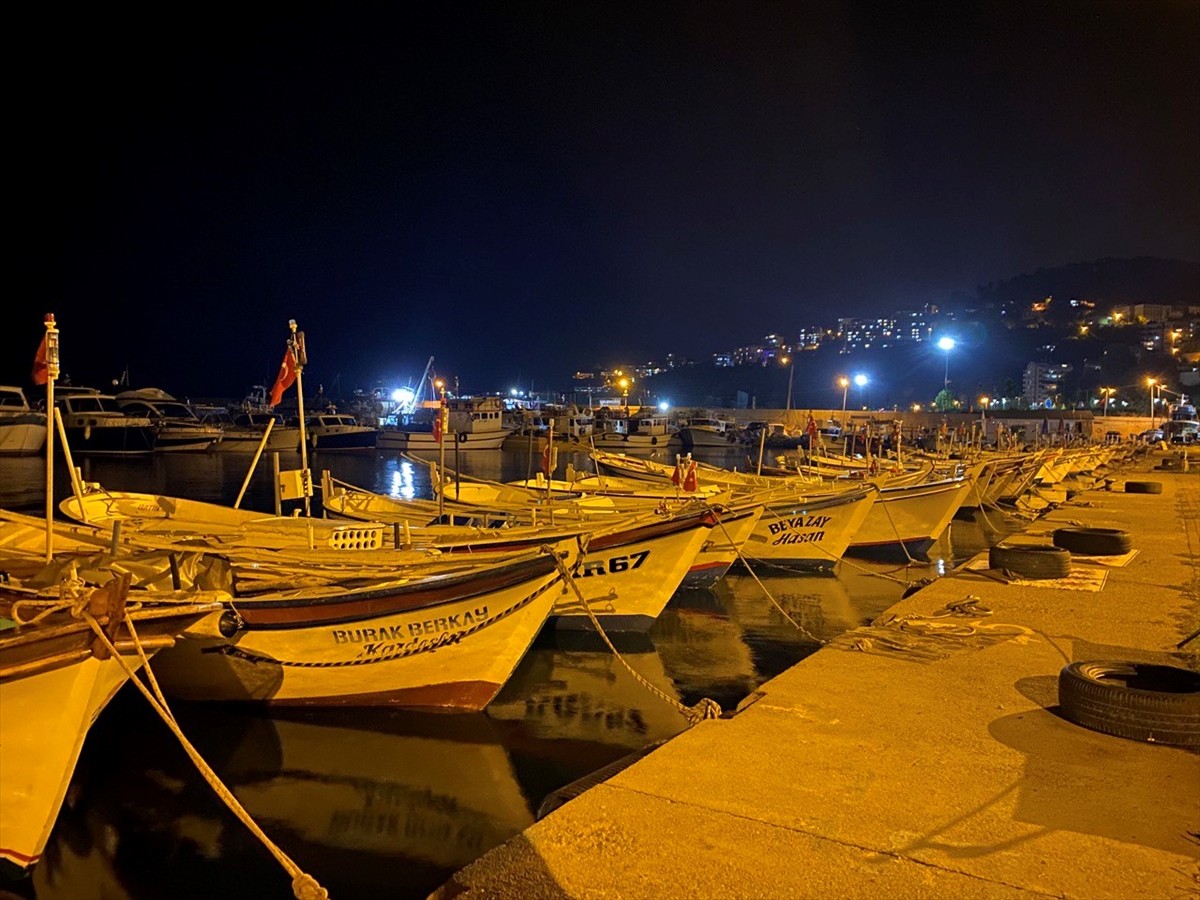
384,785
587,695
703,650
365,796
819,607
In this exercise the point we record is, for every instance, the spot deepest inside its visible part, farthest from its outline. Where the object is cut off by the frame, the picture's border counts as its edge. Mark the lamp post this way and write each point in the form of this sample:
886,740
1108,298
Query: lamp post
1150,382
844,383
861,381
791,372
1107,392
946,344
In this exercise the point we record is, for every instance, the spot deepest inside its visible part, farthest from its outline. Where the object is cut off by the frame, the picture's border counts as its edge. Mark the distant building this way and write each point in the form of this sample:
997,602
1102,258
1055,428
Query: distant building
1040,382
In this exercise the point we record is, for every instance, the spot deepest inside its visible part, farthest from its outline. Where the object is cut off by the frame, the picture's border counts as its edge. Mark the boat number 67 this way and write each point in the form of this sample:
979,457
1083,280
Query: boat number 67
613,565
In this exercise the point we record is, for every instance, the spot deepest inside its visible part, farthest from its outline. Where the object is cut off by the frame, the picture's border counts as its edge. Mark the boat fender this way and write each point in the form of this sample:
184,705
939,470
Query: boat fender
230,623
461,437
653,442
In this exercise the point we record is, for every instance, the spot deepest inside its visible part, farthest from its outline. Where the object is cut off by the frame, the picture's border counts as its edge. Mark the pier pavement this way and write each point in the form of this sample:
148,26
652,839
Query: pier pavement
921,756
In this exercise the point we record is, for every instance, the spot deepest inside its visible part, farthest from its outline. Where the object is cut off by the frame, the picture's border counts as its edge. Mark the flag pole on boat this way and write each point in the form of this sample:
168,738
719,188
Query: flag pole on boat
442,424
45,371
296,348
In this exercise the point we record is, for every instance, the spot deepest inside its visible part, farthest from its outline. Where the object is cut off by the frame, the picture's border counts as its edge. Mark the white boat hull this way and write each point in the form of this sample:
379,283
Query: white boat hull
907,521
808,532
626,578
23,434
46,718
456,654
416,441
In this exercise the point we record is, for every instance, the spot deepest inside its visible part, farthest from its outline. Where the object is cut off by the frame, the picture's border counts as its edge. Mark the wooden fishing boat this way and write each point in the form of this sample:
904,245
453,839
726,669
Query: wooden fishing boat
906,520
808,531
56,676
628,574
448,641
335,627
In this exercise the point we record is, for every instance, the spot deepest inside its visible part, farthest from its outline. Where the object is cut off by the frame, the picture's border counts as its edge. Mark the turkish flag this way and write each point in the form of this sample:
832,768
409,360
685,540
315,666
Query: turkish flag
690,481
548,459
437,423
285,378
41,371
676,476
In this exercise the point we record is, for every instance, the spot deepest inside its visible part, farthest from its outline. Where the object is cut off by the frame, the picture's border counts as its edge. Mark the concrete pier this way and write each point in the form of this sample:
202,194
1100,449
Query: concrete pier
922,756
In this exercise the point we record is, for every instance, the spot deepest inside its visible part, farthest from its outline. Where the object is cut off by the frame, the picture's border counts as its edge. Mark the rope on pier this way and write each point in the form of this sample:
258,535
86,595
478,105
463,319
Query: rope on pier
304,886
707,708
928,637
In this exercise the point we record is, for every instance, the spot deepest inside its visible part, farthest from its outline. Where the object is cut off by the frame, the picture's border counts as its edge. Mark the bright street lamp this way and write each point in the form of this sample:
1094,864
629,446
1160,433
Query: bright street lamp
1151,382
791,373
861,381
946,344
1107,392
844,384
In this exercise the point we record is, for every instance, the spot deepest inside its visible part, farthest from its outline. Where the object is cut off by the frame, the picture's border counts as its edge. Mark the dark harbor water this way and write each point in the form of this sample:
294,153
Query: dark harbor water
377,802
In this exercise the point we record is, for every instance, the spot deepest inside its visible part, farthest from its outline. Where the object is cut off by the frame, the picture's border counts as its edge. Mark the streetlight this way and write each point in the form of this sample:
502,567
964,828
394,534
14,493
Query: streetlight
861,381
1107,392
844,384
946,344
624,383
791,372
1150,382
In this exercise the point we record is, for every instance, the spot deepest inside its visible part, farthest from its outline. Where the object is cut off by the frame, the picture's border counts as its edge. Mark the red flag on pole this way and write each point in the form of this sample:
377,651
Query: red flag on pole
677,475
285,378
690,481
41,370
811,428
437,423
548,459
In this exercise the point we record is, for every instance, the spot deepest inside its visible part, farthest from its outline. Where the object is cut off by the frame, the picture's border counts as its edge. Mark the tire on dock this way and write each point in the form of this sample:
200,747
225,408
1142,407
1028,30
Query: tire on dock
1137,701
1031,561
1093,541
1143,487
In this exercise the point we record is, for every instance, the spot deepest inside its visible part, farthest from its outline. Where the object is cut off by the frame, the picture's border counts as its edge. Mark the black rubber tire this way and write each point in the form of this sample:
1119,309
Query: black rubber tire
1138,701
1143,487
1093,541
1031,561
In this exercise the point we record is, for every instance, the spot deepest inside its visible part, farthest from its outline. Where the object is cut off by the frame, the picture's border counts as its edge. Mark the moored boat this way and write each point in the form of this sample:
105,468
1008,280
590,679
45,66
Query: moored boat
22,428
337,432
472,423
177,426
446,641
96,425
56,676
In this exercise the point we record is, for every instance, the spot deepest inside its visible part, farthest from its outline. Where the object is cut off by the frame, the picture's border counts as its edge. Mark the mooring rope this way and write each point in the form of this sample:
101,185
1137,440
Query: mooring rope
768,594
707,708
304,886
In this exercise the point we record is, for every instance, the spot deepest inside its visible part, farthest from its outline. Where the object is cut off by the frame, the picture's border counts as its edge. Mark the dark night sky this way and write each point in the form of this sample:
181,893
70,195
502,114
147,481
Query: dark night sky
524,190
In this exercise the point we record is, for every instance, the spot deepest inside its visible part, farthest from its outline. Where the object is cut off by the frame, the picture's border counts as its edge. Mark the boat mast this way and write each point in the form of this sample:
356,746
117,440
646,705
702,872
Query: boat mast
296,348
51,343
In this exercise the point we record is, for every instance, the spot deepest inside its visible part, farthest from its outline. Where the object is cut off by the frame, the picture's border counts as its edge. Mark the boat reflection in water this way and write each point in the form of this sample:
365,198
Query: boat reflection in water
379,802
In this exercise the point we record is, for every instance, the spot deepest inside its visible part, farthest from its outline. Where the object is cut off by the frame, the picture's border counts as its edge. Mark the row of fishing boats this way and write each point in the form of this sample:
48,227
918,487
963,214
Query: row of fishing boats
427,603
